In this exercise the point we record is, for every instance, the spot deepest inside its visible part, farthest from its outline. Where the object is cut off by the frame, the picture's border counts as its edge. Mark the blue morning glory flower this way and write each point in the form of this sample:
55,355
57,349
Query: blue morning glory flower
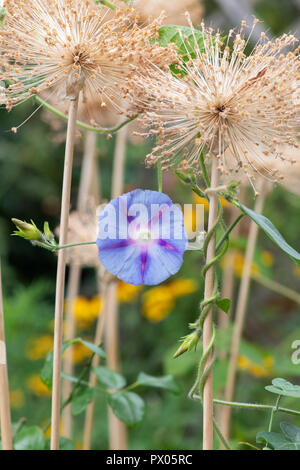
141,237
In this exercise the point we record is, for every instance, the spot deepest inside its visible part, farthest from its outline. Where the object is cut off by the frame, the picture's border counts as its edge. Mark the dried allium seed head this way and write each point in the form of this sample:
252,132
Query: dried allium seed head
83,228
226,100
61,46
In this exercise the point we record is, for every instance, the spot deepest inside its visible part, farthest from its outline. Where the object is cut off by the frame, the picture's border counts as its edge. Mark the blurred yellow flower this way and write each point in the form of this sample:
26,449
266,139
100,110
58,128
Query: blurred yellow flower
80,352
127,292
86,310
16,399
35,385
158,303
202,200
47,432
191,221
239,260
258,370
243,362
38,348
181,287
296,271
267,258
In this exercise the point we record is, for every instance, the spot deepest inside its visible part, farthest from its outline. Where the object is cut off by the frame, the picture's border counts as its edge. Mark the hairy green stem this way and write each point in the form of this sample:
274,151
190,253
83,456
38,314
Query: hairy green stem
228,232
256,406
159,176
222,438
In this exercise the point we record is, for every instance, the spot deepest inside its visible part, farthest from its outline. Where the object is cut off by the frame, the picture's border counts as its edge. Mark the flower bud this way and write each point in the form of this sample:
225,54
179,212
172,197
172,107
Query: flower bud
27,231
188,342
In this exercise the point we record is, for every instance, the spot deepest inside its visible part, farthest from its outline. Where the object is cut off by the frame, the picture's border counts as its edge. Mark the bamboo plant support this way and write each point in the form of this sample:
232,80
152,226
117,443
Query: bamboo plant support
86,180
5,419
61,270
240,314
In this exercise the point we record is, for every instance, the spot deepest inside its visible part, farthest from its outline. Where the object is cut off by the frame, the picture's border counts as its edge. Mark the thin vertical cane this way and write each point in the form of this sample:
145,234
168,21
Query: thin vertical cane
240,317
61,271
5,419
208,322
86,177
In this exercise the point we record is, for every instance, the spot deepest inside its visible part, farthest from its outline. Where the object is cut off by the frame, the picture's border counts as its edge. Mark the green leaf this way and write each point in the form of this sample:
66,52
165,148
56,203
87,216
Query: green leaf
289,440
82,398
187,41
174,34
283,387
46,372
127,406
266,225
166,382
223,304
95,349
30,438
109,378
66,444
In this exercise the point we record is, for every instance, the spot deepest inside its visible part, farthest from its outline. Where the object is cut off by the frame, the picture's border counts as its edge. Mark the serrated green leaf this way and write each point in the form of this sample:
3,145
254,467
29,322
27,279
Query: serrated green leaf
271,231
223,304
109,378
127,406
283,387
82,398
166,382
29,438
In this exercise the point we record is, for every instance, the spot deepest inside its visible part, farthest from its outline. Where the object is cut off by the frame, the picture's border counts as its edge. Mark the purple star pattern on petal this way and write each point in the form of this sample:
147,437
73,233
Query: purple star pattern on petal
141,237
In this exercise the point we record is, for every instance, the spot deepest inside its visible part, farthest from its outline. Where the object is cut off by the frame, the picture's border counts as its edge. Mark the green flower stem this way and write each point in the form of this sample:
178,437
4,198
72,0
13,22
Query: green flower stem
274,410
80,124
222,438
256,406
228,232
204,171
54,248
159,176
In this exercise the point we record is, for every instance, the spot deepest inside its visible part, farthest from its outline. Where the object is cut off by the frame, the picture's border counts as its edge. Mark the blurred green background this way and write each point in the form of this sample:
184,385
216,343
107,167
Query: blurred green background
31,166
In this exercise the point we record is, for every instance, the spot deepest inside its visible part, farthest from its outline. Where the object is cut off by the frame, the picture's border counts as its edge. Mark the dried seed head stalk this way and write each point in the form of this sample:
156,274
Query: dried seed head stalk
225,100
83,227
59,45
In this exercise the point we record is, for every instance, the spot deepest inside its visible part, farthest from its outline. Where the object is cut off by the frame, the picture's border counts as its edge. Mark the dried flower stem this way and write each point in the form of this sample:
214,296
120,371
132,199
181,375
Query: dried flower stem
207,325
5,419
60,278
240,317
75,273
